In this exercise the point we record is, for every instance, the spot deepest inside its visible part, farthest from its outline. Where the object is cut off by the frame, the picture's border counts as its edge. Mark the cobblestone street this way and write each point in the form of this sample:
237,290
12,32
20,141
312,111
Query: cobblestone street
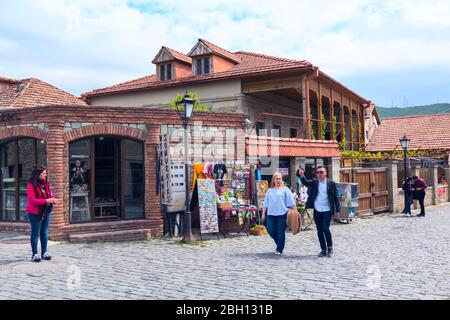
381,257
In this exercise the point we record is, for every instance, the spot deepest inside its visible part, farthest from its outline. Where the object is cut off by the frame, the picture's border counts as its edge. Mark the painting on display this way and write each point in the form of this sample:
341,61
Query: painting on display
348,194
261,189
165,170
209,222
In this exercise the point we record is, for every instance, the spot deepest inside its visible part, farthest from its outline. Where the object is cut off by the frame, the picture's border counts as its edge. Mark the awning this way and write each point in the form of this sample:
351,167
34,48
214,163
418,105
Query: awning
287,147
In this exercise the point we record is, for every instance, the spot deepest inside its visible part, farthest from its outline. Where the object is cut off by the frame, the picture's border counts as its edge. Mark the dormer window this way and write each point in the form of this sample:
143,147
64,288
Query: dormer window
202,66
165,72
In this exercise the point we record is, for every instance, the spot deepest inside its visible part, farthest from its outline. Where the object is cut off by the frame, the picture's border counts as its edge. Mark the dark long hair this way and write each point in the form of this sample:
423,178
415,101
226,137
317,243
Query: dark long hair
37,170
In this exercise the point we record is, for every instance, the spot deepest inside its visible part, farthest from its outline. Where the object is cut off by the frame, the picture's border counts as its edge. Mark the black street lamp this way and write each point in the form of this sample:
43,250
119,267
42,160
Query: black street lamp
404,142
188,105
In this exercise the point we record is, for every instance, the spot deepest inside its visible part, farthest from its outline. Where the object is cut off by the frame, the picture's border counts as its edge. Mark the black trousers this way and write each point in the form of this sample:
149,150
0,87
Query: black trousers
420,195
323,221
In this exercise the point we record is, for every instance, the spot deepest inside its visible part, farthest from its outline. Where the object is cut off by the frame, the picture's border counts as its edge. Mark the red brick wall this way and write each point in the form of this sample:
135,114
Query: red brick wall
58,158
182,70
220,64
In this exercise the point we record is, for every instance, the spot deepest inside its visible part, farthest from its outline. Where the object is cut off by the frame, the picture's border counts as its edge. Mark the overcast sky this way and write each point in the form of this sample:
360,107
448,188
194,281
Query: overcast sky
394,52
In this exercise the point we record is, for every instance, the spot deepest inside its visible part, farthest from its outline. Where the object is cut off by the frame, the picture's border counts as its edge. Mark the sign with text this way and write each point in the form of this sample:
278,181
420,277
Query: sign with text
165,171
209,221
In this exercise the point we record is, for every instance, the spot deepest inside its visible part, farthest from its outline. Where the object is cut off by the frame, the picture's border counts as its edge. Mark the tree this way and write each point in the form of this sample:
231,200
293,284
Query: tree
192,95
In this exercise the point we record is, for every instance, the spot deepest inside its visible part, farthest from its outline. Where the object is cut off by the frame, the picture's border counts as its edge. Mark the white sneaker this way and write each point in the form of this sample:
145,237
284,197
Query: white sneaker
278,253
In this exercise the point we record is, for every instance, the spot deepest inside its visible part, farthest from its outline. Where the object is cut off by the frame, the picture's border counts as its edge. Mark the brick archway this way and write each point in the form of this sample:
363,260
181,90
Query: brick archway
30,132
112,130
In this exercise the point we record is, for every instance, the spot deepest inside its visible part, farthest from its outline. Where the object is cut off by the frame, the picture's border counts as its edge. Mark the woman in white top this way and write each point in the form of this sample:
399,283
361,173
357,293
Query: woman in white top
278,201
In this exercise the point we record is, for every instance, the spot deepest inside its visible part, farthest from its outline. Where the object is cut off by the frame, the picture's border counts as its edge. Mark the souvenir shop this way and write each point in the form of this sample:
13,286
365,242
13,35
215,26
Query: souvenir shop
103,164
224,198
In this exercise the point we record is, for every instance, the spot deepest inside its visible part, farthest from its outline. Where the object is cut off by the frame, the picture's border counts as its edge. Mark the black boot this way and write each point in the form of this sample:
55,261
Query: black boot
329,252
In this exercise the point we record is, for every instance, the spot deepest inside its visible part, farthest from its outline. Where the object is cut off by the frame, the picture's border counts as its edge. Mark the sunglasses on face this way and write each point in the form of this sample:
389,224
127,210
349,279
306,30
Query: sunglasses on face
319,172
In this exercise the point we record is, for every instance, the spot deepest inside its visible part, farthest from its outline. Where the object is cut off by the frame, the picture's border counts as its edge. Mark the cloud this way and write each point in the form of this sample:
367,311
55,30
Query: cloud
80,45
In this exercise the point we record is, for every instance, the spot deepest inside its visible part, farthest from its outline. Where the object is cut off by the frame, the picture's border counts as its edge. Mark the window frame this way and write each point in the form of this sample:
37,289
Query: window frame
165,71
121,157
202,62
15,152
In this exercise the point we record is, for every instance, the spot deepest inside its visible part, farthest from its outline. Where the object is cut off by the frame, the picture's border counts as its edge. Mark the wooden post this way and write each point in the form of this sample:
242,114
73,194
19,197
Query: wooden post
319,111
332,114
308,112
342,119
304,104
358,129
350,138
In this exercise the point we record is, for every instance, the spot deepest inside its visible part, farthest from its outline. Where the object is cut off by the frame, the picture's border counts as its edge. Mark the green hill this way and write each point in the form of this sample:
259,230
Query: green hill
413,111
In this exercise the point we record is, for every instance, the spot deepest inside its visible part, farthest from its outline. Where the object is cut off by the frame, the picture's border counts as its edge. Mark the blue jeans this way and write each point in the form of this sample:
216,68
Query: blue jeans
323,220
39,229
276,226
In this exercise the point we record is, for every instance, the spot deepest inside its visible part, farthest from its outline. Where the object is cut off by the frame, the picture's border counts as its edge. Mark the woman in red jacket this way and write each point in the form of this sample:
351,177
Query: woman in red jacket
40,201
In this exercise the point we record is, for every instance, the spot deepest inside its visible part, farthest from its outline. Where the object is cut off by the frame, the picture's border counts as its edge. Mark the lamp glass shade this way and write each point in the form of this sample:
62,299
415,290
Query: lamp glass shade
188,106
404,142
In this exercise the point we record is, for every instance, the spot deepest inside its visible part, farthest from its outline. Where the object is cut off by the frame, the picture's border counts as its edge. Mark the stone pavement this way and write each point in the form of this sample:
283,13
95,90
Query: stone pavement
381,257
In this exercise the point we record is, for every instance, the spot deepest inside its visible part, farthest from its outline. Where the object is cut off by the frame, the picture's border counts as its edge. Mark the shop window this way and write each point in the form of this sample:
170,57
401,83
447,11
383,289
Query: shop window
79,180
107,200
114,188
26,164
134,179
17,158
293,133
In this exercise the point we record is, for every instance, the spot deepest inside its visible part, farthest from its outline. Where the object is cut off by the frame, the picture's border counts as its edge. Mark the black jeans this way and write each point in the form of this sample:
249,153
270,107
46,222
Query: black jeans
323,221
420,195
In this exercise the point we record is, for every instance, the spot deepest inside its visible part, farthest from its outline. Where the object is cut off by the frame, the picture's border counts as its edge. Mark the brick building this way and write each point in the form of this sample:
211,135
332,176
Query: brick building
112,192
303,111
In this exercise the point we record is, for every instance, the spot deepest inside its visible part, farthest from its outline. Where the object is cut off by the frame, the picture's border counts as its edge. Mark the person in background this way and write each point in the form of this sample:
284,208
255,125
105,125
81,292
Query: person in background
40,201
443,179
419,190
323,198
408,189
278,201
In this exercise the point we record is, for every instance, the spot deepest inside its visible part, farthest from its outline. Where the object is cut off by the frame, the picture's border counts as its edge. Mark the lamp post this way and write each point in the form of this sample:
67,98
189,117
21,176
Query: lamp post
188,105
404,142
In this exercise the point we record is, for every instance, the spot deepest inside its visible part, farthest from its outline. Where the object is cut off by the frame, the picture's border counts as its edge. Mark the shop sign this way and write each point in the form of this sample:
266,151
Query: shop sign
9,116
165,171
284,171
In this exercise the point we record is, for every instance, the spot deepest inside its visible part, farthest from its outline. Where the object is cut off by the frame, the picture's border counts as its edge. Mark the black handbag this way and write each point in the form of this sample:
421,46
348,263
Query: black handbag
44,210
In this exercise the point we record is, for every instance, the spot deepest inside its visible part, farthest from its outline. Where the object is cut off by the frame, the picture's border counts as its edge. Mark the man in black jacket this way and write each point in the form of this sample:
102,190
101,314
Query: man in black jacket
323,198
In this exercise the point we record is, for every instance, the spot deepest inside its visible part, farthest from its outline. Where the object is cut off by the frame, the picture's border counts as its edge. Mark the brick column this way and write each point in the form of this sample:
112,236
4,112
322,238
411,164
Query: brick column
394,201
434,183
152,200
56,171
334,169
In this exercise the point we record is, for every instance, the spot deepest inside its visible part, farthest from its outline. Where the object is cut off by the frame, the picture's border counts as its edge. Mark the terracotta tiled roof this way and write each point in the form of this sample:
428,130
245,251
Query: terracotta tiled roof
425,132
220,51
178,55
250,64
34,92
3,79
286,147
